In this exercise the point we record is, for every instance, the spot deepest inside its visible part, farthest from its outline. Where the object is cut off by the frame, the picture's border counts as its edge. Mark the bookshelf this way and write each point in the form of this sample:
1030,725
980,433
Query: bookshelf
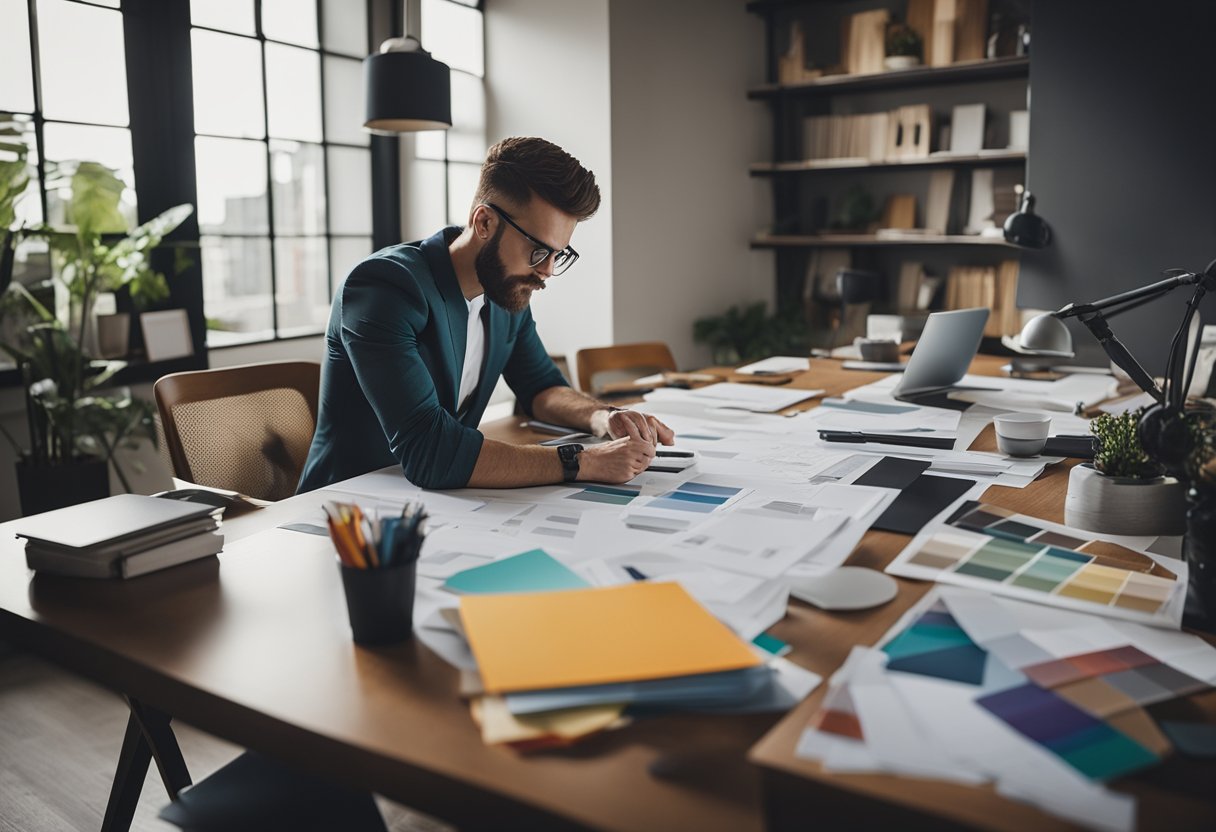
837,134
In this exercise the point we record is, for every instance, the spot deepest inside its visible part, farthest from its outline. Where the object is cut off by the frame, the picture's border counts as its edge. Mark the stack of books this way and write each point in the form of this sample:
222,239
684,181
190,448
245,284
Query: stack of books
995,287
120,537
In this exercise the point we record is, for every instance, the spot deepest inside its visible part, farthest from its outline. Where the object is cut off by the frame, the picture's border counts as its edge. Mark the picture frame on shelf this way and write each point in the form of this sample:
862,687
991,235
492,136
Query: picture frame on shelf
166,334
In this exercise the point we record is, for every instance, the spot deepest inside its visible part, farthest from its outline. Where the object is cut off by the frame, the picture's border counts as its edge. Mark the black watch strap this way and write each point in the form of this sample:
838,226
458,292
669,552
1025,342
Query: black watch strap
568,454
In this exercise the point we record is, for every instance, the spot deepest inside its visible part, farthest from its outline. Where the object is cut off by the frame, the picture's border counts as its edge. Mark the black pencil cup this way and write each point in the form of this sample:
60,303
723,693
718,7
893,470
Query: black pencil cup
380,603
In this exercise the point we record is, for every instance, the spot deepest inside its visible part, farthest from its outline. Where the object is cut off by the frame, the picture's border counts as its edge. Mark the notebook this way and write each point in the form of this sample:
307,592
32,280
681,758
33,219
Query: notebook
112,523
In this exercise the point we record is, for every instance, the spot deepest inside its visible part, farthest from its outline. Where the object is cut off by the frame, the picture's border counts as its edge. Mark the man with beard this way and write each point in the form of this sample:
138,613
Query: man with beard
420,332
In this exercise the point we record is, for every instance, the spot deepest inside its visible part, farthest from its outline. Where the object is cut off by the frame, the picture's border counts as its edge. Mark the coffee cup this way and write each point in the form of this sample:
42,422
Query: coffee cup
1021,434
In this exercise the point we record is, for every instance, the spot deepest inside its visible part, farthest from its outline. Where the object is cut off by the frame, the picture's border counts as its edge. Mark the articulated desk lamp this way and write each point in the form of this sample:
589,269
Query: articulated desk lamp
1164,431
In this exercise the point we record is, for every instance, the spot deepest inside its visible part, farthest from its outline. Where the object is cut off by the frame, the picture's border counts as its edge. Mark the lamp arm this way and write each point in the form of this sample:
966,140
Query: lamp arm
1142,295
1097,324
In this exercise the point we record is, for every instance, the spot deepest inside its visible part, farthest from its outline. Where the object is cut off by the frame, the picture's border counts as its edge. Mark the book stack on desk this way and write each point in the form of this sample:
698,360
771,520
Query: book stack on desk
120,537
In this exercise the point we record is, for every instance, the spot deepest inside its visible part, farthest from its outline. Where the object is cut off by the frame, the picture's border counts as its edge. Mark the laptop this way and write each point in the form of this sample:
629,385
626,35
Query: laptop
944,352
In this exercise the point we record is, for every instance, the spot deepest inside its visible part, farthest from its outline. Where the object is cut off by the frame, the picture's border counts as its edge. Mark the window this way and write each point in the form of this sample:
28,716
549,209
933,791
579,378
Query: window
442,177
282,165
62,120
282,162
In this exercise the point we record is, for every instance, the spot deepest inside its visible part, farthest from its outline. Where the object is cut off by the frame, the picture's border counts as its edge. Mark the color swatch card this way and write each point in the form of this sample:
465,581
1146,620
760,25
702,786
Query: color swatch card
532,571
612,495
991,548
696,496
639,631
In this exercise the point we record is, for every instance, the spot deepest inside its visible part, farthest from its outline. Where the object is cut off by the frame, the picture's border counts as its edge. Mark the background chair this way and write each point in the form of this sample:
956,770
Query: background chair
601,366
244,428
855,292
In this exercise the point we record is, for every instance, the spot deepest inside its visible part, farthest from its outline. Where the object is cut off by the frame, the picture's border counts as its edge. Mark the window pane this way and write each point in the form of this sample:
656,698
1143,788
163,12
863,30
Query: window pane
293,21
425,207
429,144
236,289
20,130
32,269
231,186
302,284
462,185
293,87
350,191
227,85
467,138
229,15
84,71
344,26
453,34
346,252
16,68
344,101
298,176
66,143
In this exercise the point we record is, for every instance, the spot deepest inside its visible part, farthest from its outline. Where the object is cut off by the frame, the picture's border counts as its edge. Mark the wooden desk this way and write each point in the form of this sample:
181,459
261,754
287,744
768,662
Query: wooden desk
255,649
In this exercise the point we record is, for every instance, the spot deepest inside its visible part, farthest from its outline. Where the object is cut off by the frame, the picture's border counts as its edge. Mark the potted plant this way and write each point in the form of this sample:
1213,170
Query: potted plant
749,333
1123,491
904,47
76,424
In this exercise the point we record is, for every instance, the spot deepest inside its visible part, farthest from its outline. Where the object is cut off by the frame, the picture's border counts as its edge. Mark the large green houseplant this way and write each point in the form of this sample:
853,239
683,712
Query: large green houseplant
76,422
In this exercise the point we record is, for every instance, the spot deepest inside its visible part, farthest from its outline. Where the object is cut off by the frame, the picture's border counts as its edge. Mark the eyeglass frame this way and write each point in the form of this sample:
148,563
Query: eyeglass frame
549,250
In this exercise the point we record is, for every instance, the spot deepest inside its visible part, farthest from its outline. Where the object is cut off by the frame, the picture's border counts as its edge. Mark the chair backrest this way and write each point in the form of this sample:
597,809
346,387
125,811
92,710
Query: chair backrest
624,362
244,428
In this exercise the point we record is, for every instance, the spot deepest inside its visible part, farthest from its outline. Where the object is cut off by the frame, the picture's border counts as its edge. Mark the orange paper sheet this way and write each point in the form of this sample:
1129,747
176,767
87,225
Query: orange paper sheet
640,631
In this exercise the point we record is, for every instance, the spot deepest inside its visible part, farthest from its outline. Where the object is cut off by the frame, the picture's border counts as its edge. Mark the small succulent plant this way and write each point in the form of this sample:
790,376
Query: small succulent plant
1117,448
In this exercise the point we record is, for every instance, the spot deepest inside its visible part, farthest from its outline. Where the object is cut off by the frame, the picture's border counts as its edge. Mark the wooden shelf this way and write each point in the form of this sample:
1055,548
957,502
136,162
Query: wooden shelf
1004,157
922,76
869,240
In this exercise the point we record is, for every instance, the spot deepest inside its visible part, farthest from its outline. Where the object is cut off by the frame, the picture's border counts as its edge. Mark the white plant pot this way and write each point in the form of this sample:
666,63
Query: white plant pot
1122,505
900,61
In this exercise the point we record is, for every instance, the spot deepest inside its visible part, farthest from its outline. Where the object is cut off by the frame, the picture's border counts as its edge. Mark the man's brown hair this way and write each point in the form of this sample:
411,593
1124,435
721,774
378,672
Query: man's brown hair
518,167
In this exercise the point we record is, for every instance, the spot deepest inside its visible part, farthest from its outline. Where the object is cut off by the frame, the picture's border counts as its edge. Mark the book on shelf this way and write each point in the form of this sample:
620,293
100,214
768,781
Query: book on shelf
991,287
864,44
937,203
907,289
951,30
967,129
899,212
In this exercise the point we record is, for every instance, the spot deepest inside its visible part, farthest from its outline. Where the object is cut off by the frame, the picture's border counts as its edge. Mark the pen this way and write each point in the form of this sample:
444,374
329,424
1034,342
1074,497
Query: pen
944,443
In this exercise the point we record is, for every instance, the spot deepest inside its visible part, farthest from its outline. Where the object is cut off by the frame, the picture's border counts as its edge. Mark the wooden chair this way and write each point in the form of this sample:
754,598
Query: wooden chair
245,428
624,362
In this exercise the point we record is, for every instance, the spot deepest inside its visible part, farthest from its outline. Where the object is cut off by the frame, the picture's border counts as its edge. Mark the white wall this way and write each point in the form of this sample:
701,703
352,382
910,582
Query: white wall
683,134
547,74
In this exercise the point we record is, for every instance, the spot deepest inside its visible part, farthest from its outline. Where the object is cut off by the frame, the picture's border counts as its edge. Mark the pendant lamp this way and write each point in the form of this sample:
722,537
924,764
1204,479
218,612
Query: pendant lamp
407,90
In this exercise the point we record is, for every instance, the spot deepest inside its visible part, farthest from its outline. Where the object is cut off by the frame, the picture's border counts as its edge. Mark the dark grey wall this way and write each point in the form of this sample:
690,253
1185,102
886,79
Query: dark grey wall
1122,157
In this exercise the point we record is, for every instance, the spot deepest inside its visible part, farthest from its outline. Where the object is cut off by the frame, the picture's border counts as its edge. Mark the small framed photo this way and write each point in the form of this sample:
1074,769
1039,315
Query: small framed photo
166,334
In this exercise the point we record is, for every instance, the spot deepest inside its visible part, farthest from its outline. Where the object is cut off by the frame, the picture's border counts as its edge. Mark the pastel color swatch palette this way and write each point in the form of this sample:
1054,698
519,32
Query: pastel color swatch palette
1085,742
992,545
935,645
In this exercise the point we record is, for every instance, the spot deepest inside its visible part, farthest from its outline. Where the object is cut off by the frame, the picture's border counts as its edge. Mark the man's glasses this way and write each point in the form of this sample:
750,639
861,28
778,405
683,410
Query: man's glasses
562,258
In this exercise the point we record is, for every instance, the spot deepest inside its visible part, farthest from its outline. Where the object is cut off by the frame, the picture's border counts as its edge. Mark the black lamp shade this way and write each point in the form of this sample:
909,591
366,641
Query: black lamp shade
407,91
1026,228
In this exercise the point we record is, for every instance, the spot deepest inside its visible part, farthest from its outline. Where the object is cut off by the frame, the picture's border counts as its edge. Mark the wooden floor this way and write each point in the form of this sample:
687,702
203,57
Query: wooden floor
59,741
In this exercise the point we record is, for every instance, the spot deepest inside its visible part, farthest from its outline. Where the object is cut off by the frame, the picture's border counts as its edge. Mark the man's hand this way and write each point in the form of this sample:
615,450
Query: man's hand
618,424
615,462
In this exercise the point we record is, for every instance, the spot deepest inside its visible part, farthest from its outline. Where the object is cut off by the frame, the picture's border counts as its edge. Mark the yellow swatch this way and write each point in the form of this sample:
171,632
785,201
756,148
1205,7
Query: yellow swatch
636,632
499,725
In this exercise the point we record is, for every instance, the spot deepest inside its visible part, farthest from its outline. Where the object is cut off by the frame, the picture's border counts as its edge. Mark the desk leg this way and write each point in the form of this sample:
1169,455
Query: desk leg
148,736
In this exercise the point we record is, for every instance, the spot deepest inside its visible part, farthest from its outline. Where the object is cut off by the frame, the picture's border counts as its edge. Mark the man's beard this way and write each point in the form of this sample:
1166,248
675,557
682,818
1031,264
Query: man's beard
511,292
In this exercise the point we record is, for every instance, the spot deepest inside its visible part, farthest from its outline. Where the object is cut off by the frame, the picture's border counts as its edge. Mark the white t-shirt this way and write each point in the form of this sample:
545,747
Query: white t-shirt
474,349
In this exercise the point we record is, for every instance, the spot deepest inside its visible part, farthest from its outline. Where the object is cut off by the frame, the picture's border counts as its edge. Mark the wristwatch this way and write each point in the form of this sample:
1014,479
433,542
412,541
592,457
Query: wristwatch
568,454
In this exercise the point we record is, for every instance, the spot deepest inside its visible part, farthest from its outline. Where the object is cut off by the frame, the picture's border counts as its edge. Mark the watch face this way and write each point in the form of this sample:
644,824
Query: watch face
569,452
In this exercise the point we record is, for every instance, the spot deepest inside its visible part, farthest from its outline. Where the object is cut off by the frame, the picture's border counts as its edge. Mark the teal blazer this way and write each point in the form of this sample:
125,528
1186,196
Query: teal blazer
394,351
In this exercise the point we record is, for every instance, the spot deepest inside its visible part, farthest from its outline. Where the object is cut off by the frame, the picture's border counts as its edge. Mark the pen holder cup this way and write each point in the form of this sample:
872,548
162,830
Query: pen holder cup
380,603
